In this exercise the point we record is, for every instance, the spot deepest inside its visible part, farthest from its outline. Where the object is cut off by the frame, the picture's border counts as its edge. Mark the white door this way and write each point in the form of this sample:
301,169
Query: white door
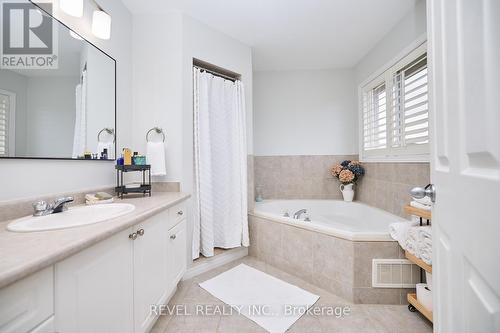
151,283
464,49
7,123
94,288
177,252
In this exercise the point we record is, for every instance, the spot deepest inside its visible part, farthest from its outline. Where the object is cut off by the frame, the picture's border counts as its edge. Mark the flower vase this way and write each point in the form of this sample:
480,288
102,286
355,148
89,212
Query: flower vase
347,191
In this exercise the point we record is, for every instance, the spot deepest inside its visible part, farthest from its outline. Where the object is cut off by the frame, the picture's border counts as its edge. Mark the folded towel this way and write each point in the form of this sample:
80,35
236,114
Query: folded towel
411,243
424,201
99,202
155,155
399,231
105,145
417,204
425,253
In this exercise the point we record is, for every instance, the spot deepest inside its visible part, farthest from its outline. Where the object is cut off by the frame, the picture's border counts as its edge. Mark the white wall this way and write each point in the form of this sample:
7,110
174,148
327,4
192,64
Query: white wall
30,178
307,112
157,84
162,78
206,44
410,28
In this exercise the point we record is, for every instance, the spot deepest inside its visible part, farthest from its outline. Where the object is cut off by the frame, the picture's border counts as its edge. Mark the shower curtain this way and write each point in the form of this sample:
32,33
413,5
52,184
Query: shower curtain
220,170
80,133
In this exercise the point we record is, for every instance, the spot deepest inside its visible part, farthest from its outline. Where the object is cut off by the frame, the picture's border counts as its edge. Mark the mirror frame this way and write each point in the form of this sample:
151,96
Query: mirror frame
115,99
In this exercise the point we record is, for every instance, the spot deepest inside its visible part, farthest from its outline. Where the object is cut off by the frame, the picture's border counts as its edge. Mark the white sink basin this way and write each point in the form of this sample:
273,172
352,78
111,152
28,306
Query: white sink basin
73,217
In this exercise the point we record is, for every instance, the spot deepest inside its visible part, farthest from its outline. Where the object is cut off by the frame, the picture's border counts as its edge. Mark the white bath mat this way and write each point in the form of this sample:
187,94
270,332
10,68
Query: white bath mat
273,304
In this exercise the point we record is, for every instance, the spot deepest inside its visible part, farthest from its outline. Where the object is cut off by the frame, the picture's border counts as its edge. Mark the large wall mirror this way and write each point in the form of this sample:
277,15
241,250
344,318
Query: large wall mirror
66,111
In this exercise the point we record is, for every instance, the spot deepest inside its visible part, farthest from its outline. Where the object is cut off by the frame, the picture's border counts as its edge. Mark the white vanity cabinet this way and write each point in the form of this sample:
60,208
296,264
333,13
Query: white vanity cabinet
151,269
94,288
111,286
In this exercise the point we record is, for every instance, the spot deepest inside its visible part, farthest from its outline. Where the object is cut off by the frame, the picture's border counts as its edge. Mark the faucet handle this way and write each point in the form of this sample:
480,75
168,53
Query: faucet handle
40,207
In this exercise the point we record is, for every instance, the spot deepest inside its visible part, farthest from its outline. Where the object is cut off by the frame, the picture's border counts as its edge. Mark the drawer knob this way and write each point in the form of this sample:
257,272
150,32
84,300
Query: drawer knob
180,213
174,236
140,232
133,236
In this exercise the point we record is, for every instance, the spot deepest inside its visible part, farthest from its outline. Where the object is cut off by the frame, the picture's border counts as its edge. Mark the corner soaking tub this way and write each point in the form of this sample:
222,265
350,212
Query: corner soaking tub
348,220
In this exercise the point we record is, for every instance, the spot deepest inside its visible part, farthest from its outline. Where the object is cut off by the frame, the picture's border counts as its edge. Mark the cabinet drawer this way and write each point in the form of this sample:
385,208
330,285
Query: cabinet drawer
27,303
177,213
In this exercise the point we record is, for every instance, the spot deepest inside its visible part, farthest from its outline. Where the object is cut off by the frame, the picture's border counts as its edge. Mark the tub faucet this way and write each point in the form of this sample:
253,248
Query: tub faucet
42,208
298,213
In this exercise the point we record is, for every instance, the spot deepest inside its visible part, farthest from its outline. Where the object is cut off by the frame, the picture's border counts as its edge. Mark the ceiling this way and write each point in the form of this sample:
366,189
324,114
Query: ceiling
294,34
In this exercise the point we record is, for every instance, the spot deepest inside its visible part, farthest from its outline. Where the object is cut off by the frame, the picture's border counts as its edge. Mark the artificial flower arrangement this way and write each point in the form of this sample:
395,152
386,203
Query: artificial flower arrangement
348,172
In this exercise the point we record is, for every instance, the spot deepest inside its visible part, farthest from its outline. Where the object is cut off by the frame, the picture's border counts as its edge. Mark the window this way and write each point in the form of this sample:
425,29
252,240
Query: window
7,122
395,112
4,124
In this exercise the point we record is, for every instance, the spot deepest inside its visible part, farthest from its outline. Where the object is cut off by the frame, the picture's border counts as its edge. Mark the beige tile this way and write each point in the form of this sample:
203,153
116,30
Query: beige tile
364,252
376,296
270,239
306,324
297,251
358,321
397,319
333,258
253,227
238,323
341,289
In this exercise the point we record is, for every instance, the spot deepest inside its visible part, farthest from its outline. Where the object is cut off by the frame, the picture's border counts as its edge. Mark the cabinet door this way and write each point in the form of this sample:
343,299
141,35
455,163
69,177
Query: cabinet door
94,288
177,252
151,284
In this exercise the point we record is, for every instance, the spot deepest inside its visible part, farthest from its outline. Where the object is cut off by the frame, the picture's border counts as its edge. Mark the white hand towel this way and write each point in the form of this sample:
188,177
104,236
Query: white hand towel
425,244
399,231
155,156
417,204
424,201
411,243
105,145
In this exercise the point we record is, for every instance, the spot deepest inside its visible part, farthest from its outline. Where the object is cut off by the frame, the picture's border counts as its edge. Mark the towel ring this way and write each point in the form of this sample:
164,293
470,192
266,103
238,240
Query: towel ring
108,130
157,130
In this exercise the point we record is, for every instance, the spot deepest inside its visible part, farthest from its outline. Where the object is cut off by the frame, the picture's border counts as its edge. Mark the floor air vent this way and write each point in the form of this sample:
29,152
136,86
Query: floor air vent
394,273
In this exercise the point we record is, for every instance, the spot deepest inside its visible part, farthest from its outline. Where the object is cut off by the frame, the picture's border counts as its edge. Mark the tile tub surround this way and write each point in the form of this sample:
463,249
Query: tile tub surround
298,176
387,185
337,265
28,252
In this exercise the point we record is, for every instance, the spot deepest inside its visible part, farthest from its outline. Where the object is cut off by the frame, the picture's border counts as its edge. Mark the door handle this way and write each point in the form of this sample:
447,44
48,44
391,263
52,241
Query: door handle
428,191
180,213
174,236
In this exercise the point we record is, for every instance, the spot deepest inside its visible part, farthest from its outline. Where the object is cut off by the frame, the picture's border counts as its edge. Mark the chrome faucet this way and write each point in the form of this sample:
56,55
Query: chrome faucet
42,208
298,213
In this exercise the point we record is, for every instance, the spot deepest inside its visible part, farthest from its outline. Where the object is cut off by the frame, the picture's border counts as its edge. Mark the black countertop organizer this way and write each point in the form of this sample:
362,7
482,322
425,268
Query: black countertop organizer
145,186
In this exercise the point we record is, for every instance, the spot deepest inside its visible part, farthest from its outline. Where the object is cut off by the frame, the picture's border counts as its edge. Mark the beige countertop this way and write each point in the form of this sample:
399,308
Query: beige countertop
22,254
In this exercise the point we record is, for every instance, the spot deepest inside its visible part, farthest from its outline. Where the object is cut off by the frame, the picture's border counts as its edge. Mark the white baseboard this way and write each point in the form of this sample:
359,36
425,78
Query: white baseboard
215,261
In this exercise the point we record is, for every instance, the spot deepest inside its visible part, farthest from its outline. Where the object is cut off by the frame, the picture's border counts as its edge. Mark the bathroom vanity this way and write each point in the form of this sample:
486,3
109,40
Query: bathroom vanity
97,278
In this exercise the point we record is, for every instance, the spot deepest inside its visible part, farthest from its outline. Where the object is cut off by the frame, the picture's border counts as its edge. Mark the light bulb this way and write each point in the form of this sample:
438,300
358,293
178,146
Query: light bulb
72,7
101,24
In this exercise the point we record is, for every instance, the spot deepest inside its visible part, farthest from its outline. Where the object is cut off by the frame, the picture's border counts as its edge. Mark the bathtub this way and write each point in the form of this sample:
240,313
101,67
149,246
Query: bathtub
348,220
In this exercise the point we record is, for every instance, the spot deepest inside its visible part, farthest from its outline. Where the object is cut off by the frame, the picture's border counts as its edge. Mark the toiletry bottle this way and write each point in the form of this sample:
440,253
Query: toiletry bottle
127,156
105,154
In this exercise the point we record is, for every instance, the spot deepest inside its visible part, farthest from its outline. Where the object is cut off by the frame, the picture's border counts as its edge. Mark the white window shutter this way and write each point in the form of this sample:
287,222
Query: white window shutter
395,111
4,124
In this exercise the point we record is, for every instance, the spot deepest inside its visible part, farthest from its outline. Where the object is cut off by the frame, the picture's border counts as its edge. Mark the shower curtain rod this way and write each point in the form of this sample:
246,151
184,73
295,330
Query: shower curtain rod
230,78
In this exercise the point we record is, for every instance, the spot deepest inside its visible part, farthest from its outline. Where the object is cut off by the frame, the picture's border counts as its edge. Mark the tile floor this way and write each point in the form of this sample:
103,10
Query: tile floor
362,319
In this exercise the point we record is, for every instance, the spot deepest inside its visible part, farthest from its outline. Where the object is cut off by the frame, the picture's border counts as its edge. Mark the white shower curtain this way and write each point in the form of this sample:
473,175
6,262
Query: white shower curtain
80,133
220,195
